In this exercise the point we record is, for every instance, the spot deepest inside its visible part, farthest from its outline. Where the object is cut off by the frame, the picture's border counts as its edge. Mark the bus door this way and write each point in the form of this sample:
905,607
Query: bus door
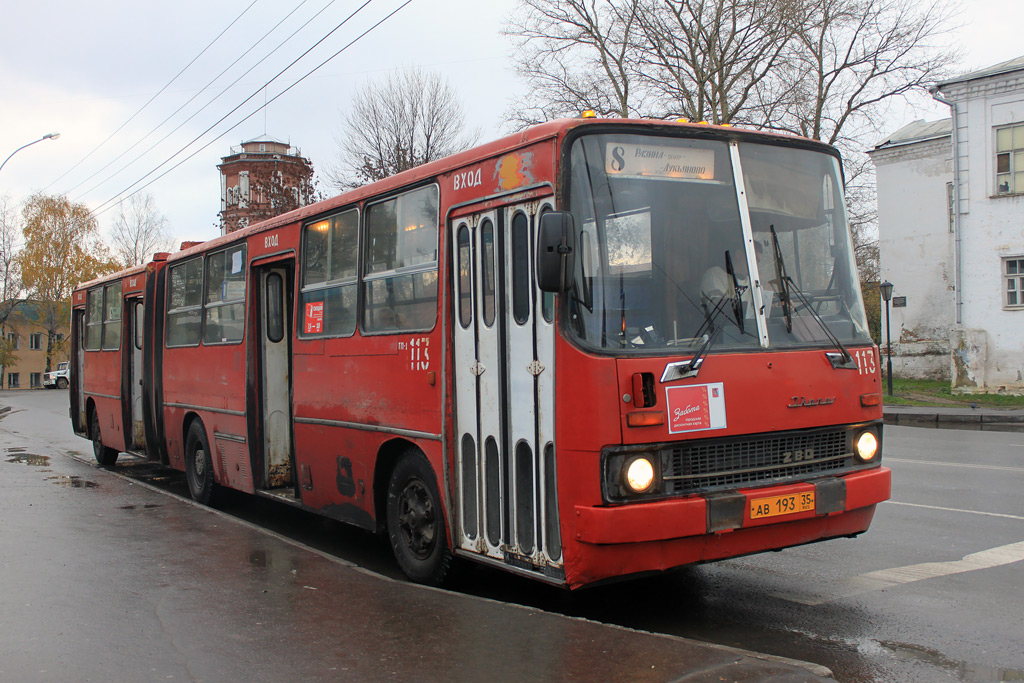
273,354
137,434
77,370
504,391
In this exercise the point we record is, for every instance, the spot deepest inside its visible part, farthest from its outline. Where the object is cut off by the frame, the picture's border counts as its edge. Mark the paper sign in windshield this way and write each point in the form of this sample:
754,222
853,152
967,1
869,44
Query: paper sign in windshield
695,408
315,317
658,161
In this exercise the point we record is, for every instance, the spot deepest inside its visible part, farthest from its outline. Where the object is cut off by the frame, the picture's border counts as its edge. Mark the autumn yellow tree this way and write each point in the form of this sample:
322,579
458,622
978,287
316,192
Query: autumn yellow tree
62,248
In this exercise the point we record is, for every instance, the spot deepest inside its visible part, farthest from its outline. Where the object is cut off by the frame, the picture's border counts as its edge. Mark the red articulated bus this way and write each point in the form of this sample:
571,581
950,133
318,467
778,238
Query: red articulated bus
594,349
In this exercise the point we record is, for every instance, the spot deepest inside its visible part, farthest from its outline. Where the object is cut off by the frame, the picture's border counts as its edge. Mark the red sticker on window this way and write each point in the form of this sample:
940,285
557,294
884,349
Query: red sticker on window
315,317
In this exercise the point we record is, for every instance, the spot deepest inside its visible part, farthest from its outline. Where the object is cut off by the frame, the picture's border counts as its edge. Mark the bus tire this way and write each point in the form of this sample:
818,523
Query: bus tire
198,464
62,383
105,456
415,521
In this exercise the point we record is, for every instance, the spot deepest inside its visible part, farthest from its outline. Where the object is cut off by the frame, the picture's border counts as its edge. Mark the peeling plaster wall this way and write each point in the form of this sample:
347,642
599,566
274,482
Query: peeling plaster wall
989,345
916,254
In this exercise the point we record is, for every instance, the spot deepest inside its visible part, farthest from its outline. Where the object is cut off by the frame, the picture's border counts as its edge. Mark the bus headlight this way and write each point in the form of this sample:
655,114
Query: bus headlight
866,446
639,474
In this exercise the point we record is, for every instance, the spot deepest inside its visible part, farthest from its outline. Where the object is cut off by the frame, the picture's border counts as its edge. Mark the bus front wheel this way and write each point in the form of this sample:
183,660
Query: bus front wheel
198,464
104,456
415,521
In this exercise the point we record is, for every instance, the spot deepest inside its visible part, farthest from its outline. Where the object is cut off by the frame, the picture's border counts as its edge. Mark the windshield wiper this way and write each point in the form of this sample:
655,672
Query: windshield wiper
783,279
707,330
690,368
737,291
789,287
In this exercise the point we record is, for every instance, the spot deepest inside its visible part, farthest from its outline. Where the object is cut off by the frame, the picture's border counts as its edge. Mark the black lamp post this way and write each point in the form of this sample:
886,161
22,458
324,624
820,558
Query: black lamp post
886,288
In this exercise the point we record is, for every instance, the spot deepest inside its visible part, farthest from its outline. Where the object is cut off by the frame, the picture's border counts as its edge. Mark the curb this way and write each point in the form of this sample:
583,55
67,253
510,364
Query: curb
994,421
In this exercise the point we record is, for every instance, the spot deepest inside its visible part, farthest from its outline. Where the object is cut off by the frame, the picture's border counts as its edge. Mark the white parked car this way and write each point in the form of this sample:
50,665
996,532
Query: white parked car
57,378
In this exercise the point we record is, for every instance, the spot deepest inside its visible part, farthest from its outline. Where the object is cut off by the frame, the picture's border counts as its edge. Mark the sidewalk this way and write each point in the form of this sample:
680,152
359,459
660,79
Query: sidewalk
105,579
955,416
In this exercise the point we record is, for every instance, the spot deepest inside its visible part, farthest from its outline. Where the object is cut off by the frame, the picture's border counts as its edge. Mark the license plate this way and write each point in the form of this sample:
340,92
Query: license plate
781,505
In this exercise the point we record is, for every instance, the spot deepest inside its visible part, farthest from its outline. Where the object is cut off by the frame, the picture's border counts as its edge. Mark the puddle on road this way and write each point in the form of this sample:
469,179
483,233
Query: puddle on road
28,458
968,671
147,506
72,482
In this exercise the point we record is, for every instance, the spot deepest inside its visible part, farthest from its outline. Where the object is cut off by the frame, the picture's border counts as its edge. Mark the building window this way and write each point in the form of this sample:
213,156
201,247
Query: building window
13,380
14,340
1013,277
1010,159
35,341
35,380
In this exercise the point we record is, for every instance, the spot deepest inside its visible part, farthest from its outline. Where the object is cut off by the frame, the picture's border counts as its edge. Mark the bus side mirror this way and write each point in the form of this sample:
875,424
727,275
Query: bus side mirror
556,251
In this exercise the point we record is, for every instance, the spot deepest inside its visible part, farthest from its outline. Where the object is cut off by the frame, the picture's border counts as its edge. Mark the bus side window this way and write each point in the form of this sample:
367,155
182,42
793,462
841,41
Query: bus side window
94,319
400,281
185,294
330,248
112,317
225,296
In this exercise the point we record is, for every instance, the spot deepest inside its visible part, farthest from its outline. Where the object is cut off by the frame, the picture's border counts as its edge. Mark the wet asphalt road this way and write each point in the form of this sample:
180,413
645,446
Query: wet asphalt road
933,592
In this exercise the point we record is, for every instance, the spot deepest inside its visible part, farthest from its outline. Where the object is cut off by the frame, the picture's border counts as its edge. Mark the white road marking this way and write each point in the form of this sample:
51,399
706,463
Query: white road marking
957,464
897,576
937,507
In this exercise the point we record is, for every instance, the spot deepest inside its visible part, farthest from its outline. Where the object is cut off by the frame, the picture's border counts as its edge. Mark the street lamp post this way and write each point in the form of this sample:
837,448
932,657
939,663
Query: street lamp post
48,136
886,288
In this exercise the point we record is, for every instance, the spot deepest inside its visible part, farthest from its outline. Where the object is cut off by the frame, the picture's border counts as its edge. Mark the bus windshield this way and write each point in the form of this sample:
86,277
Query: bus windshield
667,261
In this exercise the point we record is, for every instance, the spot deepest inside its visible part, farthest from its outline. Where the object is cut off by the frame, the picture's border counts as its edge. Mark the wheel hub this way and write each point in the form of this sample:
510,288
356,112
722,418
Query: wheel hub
416,519
199,463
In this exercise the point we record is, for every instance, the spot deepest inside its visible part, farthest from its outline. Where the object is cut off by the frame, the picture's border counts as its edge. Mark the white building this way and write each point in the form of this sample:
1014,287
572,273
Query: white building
951,229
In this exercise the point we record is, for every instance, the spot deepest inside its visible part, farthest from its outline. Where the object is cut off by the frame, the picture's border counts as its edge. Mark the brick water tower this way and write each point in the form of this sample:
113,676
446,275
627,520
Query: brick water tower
260,179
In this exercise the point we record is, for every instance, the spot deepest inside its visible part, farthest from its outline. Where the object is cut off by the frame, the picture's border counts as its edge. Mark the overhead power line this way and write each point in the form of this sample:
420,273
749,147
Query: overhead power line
205,106
167,85
128,191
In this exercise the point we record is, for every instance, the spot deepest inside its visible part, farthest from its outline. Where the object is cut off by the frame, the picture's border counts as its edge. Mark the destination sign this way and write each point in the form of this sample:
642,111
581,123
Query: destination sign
629,160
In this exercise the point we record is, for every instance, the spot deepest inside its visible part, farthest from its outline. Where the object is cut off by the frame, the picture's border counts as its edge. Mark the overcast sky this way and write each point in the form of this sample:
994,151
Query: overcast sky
82,69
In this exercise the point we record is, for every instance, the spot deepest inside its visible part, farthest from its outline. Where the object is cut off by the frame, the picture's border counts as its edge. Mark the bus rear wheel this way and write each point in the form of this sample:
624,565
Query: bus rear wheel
415,521
198,464
104,456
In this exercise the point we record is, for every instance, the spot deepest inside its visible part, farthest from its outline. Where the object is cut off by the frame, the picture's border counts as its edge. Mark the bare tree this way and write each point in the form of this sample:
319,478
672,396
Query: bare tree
852,57
823,69
10,271
10,279
139,231
819,69
577,55
711,60
409,119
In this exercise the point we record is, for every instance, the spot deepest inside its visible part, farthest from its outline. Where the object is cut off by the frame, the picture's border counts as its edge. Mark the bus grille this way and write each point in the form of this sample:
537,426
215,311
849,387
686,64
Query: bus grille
767,458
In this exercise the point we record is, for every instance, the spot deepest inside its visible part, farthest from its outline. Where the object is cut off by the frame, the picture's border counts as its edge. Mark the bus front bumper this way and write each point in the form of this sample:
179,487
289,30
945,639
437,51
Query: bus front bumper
721,514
